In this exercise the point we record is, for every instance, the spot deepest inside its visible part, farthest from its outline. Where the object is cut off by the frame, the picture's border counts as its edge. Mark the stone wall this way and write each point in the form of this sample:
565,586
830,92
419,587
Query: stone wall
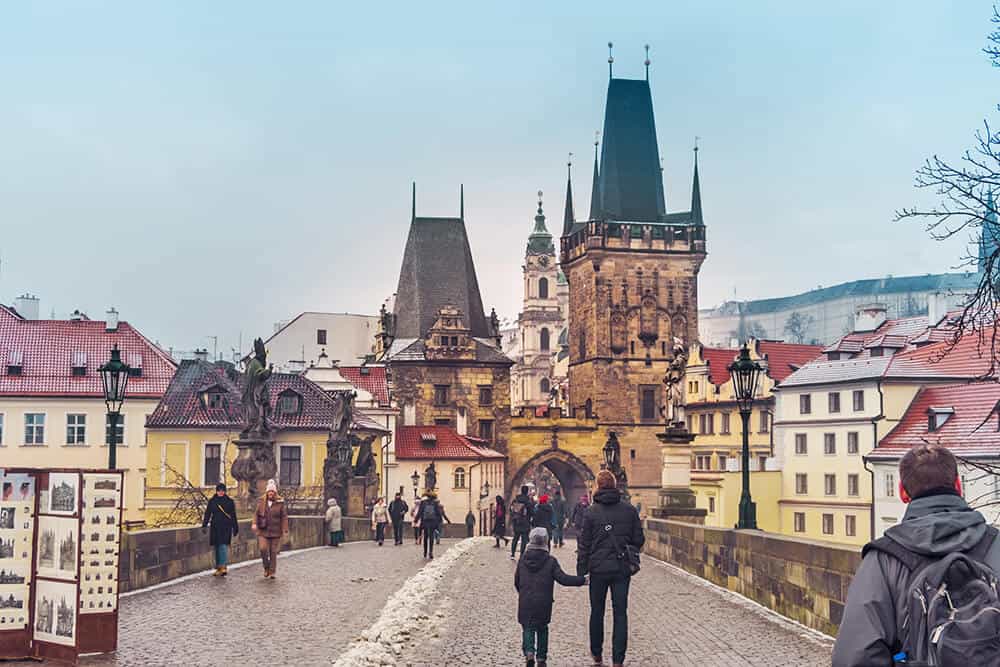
804,580
150,557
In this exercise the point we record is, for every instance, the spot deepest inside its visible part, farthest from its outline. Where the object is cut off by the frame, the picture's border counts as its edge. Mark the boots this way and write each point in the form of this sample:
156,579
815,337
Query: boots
218,572
223,571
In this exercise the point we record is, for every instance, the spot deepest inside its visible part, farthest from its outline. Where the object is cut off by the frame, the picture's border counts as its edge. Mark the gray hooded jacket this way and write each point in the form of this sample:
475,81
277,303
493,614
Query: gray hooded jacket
870,632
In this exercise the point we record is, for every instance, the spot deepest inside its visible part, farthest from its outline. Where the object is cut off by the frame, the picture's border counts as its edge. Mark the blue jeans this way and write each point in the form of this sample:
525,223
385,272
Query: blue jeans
221,555
557,534
529,636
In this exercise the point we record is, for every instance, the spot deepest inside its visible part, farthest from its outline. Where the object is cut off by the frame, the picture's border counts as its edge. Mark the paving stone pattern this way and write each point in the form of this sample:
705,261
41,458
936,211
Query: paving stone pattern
674,619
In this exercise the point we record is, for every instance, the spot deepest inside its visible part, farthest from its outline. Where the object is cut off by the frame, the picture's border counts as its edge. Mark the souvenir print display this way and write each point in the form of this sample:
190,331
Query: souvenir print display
55,612
58,547
13,596
63,493
101,542
17,503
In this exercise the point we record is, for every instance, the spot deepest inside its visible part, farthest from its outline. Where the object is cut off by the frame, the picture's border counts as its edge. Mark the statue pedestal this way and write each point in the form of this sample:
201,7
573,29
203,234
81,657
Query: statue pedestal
676,499
356,492
254,465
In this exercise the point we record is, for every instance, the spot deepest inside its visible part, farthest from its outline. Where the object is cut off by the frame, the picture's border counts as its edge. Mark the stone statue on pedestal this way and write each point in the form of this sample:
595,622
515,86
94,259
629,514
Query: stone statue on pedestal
337,469
674,382
255,463
256,398
430,477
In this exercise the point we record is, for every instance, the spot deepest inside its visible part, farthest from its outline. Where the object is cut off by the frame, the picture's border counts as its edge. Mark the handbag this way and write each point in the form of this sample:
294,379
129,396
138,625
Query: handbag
628,556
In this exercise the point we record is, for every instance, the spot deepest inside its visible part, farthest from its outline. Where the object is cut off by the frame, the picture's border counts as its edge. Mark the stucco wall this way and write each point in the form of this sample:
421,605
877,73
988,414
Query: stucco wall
804,580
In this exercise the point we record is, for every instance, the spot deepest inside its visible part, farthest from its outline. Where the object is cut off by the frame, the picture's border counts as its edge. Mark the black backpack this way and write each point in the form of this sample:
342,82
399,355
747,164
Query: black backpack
952,618
429,510
518,510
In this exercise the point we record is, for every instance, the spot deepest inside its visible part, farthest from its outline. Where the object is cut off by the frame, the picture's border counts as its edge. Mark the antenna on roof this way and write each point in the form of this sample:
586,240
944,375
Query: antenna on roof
461,201
414,211
647,62
611,60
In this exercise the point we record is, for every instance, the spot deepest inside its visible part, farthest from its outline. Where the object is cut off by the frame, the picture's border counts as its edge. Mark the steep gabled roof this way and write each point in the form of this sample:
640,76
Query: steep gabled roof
443,443
969,357
370,378
783,359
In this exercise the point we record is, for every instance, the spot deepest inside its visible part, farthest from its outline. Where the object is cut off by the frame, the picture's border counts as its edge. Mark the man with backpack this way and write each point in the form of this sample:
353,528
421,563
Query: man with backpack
521,512
431,516
926,593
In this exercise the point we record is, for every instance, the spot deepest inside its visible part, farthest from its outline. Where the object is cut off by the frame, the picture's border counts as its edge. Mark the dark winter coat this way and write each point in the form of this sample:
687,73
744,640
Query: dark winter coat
398,509
500,521
596,552
558,512
221,514
579,512
543,517
534,580
870,631
521,524
438,512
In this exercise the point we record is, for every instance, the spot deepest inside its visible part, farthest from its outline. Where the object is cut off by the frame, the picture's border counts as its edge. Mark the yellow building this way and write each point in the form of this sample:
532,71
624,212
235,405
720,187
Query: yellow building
714,418
192,433
52,411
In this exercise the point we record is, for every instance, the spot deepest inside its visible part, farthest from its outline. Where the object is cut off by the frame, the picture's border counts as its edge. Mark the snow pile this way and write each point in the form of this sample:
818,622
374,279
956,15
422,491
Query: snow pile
405,614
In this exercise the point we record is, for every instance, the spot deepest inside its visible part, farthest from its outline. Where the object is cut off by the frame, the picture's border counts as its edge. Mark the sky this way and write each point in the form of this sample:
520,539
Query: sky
212,168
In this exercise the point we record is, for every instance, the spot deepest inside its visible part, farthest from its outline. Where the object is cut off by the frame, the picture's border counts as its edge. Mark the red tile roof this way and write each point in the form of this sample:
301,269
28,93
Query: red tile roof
46,350
783,359
891,333
972,429
448,444
372,380
718,360
969,357
184,405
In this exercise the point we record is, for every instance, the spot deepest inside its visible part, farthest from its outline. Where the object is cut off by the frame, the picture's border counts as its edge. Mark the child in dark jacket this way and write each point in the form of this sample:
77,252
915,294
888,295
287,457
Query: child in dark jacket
534,580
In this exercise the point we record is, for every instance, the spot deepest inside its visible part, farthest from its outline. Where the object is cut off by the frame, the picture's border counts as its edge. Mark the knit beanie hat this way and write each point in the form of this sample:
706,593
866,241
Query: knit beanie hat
544,499
331,502
538,538
606,480
271,486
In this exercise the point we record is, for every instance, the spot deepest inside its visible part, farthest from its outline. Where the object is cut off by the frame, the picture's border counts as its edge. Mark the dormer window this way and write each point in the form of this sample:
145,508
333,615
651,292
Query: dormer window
135,365
79,366
215,400
428,440
15,362
833,356
937,417
289,403
878,351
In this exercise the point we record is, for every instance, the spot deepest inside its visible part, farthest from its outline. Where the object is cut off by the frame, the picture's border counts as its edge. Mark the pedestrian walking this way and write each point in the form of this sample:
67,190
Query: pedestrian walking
440,526
535,578
901,605
521,510
607,550
579,512
221,515
431,516
558,518
334,522
415,520
380,519
500,522
397,514
543,517
270,524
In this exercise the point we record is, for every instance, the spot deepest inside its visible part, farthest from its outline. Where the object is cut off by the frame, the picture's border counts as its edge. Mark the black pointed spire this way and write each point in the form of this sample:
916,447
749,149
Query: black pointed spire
461,201
595,188
696,191
647,62
611,60
568,216
413,211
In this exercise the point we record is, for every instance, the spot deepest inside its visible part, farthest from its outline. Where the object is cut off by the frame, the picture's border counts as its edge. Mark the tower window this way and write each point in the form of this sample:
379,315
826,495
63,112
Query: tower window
544,386
543,288
583,346
543,339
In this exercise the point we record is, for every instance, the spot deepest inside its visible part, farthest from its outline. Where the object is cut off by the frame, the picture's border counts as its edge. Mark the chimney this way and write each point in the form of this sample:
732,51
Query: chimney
869,318
26,306
296,366
77,316
201,355
111,320
937,308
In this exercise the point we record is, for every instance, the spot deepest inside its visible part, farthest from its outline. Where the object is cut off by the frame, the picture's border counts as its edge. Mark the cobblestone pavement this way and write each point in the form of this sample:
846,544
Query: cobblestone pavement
674,619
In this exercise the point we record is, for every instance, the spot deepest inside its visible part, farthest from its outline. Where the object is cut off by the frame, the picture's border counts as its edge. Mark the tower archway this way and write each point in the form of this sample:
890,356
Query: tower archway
554,468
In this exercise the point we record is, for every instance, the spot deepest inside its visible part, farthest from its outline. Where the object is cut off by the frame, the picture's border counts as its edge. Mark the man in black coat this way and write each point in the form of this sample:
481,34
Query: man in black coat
609,526
543,517
221,513
521,511
397,514
534,580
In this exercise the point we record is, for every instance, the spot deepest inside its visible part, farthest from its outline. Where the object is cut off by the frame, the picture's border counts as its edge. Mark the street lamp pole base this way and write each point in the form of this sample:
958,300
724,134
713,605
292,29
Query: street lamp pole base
748,514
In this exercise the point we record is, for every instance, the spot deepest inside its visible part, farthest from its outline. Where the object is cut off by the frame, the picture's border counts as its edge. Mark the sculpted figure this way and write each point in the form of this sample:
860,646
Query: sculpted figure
256,399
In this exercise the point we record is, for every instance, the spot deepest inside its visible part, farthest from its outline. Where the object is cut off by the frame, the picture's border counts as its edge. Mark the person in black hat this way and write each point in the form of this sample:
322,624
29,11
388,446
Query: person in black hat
221,513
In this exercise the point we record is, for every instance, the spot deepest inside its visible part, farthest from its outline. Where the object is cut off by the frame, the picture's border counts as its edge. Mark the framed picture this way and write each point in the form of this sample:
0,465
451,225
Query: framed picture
58,547
55,612
7,513
63,493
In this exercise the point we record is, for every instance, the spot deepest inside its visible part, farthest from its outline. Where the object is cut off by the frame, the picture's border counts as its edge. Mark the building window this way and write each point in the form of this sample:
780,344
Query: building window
833,356
724,426
582,349
290,466
859,400
833,398
829,443
801,483
890,485
877,351
216,400
119,430
702,426
1,430
213,465
722,462
800,522
711,504
828,524
486,430
647,403
801,445
321,336
693,387
459,478
442,421
850,525
805,404
765,421
543,339
761,463
76,429
485,395
830,485
702,462
289,403
710,422
852,485
543,288
34,428
690,421
441,394
545,387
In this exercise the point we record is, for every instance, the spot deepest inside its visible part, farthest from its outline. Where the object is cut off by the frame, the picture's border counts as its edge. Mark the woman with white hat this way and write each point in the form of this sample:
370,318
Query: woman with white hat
270,524
334,522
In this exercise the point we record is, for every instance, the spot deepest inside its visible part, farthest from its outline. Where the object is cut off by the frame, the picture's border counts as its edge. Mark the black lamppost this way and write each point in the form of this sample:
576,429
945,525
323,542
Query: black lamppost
114,375
416,483
746,373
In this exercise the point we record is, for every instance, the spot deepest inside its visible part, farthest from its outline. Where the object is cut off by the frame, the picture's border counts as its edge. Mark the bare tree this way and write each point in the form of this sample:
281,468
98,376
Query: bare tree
797,326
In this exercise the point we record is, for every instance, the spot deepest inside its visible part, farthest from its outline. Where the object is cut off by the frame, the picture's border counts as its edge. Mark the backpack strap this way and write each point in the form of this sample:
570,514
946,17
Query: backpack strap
912,561
982,549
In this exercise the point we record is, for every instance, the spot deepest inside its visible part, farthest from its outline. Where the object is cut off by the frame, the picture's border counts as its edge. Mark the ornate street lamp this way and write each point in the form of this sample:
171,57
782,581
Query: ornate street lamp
415,477
746,374
612,453
114,376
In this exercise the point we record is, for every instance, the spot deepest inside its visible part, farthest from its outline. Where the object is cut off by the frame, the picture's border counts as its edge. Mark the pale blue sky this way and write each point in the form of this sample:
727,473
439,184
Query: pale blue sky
249,160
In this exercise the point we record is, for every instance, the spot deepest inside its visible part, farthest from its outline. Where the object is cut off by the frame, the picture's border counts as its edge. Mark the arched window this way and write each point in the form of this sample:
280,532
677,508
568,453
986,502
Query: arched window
545,386
543,288
543,339
459,478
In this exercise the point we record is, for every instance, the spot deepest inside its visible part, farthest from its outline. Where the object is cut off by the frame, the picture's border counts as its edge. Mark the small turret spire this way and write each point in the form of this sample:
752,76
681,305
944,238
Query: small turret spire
647,62
696,217
413,212
461,201
611,60
595,191
568,216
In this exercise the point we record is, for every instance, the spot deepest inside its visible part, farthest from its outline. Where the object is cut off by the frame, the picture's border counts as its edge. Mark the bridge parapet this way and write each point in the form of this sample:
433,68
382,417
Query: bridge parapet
804,580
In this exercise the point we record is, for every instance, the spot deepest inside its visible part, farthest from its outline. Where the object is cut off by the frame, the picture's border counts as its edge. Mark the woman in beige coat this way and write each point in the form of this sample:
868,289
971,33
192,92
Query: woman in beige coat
334,522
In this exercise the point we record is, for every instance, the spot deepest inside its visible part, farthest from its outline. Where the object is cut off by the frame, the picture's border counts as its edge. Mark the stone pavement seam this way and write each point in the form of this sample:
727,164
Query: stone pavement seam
404,612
